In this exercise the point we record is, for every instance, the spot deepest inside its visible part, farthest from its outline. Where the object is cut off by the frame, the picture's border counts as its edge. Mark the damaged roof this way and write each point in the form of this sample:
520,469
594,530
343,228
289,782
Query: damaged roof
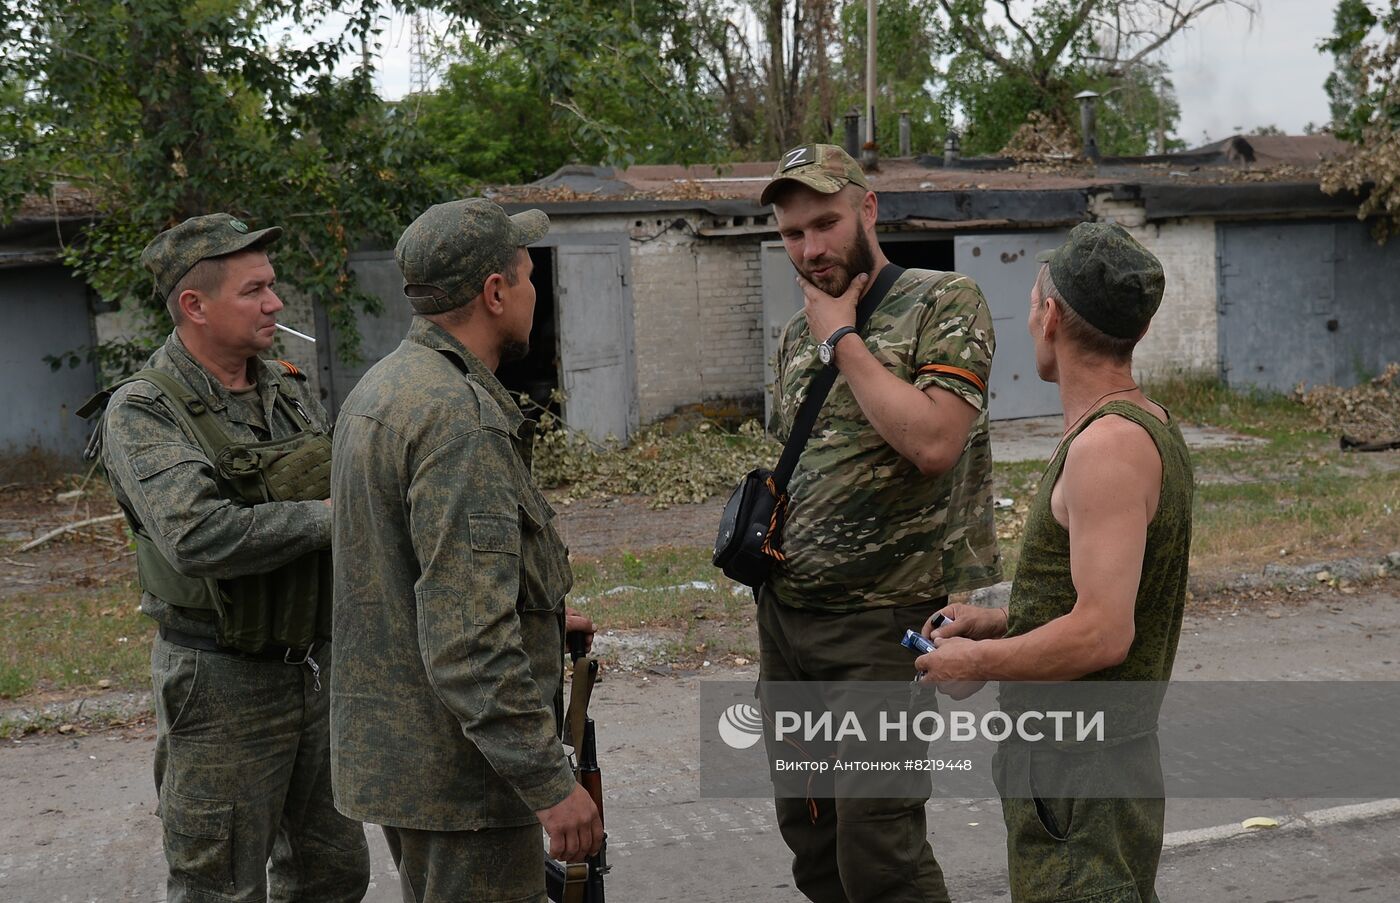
1258,175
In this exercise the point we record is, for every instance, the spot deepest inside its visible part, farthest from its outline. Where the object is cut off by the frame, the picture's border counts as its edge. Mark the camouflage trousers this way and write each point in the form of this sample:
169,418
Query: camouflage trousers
850,850
1081,850
242,770
494,865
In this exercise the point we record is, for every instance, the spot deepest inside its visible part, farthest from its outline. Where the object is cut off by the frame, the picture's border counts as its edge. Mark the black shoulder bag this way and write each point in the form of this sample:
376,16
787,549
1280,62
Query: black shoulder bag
750,530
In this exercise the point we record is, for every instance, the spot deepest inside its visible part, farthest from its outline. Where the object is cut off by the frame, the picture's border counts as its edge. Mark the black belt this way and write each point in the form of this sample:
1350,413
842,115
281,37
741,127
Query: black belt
285,654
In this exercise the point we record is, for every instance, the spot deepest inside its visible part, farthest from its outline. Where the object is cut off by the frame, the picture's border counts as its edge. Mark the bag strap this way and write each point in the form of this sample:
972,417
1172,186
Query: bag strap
821,383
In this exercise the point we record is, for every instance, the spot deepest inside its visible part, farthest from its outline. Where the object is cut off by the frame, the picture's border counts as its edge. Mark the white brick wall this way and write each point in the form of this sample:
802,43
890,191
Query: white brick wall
1184,336
698,303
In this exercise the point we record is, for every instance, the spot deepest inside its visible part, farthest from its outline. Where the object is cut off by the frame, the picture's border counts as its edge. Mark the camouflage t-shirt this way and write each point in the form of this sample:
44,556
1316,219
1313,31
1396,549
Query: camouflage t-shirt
865,529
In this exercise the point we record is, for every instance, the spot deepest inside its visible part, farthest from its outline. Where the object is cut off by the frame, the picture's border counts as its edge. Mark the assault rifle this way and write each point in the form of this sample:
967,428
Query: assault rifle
581,882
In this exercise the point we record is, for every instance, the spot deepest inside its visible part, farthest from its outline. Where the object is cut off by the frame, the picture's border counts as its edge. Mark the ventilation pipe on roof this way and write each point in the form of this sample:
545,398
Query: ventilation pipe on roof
852,143
905,138
952,149
1089,124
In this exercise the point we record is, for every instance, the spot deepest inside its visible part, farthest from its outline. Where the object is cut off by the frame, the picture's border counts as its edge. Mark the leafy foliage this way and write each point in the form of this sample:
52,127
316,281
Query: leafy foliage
167,109
1351,106
671,470
568,81
1373,168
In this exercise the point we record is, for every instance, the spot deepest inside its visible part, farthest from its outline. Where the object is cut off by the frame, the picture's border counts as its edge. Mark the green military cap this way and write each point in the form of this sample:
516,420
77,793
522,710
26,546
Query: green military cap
821,167
1109,279
447,253
172,253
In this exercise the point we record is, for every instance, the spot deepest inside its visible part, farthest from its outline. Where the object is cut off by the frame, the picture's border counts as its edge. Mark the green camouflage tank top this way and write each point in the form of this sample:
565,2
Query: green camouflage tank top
1044,590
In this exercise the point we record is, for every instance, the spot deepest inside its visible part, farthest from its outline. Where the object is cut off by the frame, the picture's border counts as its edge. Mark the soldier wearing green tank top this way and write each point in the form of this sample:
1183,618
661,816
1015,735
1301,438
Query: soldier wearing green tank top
1100,585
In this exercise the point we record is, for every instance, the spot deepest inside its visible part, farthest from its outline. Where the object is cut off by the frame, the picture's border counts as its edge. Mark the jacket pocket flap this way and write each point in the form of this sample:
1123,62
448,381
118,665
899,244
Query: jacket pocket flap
494,533
162,457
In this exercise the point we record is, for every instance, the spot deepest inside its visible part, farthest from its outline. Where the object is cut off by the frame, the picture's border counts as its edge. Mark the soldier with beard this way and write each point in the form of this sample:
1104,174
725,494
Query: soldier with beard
890,507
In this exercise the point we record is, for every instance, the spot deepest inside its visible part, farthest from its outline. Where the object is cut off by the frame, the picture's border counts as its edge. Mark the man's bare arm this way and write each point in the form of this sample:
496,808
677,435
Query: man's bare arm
1108,493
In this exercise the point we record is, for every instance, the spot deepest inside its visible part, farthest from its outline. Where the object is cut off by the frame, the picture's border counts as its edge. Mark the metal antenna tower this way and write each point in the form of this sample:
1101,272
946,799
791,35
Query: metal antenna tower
418,55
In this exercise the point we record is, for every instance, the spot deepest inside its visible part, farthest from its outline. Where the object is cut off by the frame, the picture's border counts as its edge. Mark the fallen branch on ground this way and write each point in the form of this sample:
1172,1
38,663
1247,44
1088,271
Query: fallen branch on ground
68,528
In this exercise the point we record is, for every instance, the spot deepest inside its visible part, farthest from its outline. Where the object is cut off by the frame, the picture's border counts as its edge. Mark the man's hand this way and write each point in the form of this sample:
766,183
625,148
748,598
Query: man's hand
952,666
574,829
971,621
577,622
826,314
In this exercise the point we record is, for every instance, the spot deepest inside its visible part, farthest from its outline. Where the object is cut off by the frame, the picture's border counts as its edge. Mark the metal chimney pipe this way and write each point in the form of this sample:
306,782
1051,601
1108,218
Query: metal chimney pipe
952,149
1089,124
905,134
852,143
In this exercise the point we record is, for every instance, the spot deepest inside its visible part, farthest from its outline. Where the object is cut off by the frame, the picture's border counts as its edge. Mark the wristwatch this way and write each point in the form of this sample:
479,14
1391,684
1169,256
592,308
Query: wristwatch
827,350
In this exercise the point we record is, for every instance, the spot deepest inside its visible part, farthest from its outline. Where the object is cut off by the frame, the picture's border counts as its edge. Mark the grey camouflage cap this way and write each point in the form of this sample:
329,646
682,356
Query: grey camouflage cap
172,253
448,252
1108,277
825,168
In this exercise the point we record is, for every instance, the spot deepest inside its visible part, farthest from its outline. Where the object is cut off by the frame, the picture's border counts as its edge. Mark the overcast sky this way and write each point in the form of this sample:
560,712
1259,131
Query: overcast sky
1229,72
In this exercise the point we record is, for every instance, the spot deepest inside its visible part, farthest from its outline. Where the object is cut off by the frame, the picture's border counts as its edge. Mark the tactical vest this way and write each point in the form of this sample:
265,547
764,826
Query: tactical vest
287,606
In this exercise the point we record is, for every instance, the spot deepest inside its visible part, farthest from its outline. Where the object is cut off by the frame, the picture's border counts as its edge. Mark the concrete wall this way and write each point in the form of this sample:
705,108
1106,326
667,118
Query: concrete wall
1184,333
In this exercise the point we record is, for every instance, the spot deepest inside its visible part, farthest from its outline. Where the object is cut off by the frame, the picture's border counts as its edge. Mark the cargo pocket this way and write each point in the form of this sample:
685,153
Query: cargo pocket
198,840
495,542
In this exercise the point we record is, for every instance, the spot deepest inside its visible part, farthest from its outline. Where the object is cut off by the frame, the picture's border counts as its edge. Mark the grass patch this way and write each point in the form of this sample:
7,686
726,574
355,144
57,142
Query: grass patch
71,637
1255,412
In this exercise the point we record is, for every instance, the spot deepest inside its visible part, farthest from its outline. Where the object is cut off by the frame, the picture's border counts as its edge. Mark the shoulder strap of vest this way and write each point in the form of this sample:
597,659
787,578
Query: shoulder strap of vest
188,407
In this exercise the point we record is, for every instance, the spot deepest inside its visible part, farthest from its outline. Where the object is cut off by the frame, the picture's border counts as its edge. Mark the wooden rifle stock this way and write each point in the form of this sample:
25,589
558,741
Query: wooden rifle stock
566,882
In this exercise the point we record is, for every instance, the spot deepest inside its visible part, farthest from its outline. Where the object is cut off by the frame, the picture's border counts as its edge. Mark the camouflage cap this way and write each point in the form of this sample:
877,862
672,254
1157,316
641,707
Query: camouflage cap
1109,279
447,253
172,253
821,167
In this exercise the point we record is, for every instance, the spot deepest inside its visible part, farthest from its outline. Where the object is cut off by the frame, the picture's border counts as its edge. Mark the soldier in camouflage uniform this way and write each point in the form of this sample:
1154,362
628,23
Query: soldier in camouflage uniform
890,505
1099,592
449,580
239,664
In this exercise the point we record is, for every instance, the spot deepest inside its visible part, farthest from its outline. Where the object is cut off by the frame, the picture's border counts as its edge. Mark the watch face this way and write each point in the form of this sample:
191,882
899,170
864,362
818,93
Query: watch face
824,352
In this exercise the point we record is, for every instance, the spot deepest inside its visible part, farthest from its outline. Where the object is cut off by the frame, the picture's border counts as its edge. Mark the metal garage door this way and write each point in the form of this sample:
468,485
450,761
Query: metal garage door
1310,303
1004,266
46,313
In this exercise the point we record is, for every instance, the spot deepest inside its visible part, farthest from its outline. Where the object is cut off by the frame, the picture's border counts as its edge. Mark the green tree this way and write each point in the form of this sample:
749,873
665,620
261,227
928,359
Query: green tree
1004,65
573,81
1372,169
1351,107
905,73
166,109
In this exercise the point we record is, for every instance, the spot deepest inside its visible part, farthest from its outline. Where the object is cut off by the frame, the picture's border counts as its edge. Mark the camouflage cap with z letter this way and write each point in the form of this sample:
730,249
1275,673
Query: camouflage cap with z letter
824,168
172,253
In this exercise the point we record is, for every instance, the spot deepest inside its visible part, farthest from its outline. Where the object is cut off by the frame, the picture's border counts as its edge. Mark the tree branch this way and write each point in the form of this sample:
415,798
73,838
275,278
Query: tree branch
1035,48
978,41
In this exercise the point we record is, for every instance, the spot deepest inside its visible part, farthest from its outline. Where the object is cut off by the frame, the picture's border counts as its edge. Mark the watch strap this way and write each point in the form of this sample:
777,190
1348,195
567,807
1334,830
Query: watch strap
837,336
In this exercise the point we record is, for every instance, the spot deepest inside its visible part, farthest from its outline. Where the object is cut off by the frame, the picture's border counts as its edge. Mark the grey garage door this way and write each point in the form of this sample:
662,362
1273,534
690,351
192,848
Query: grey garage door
1311,303
1003,265
46,313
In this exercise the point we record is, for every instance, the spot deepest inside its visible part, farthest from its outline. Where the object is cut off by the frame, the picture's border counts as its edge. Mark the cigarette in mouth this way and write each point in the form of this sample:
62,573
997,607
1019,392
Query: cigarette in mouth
300,335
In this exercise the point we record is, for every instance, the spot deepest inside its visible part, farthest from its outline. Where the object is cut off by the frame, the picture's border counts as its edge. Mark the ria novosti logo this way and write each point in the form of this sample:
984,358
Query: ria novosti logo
740,726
